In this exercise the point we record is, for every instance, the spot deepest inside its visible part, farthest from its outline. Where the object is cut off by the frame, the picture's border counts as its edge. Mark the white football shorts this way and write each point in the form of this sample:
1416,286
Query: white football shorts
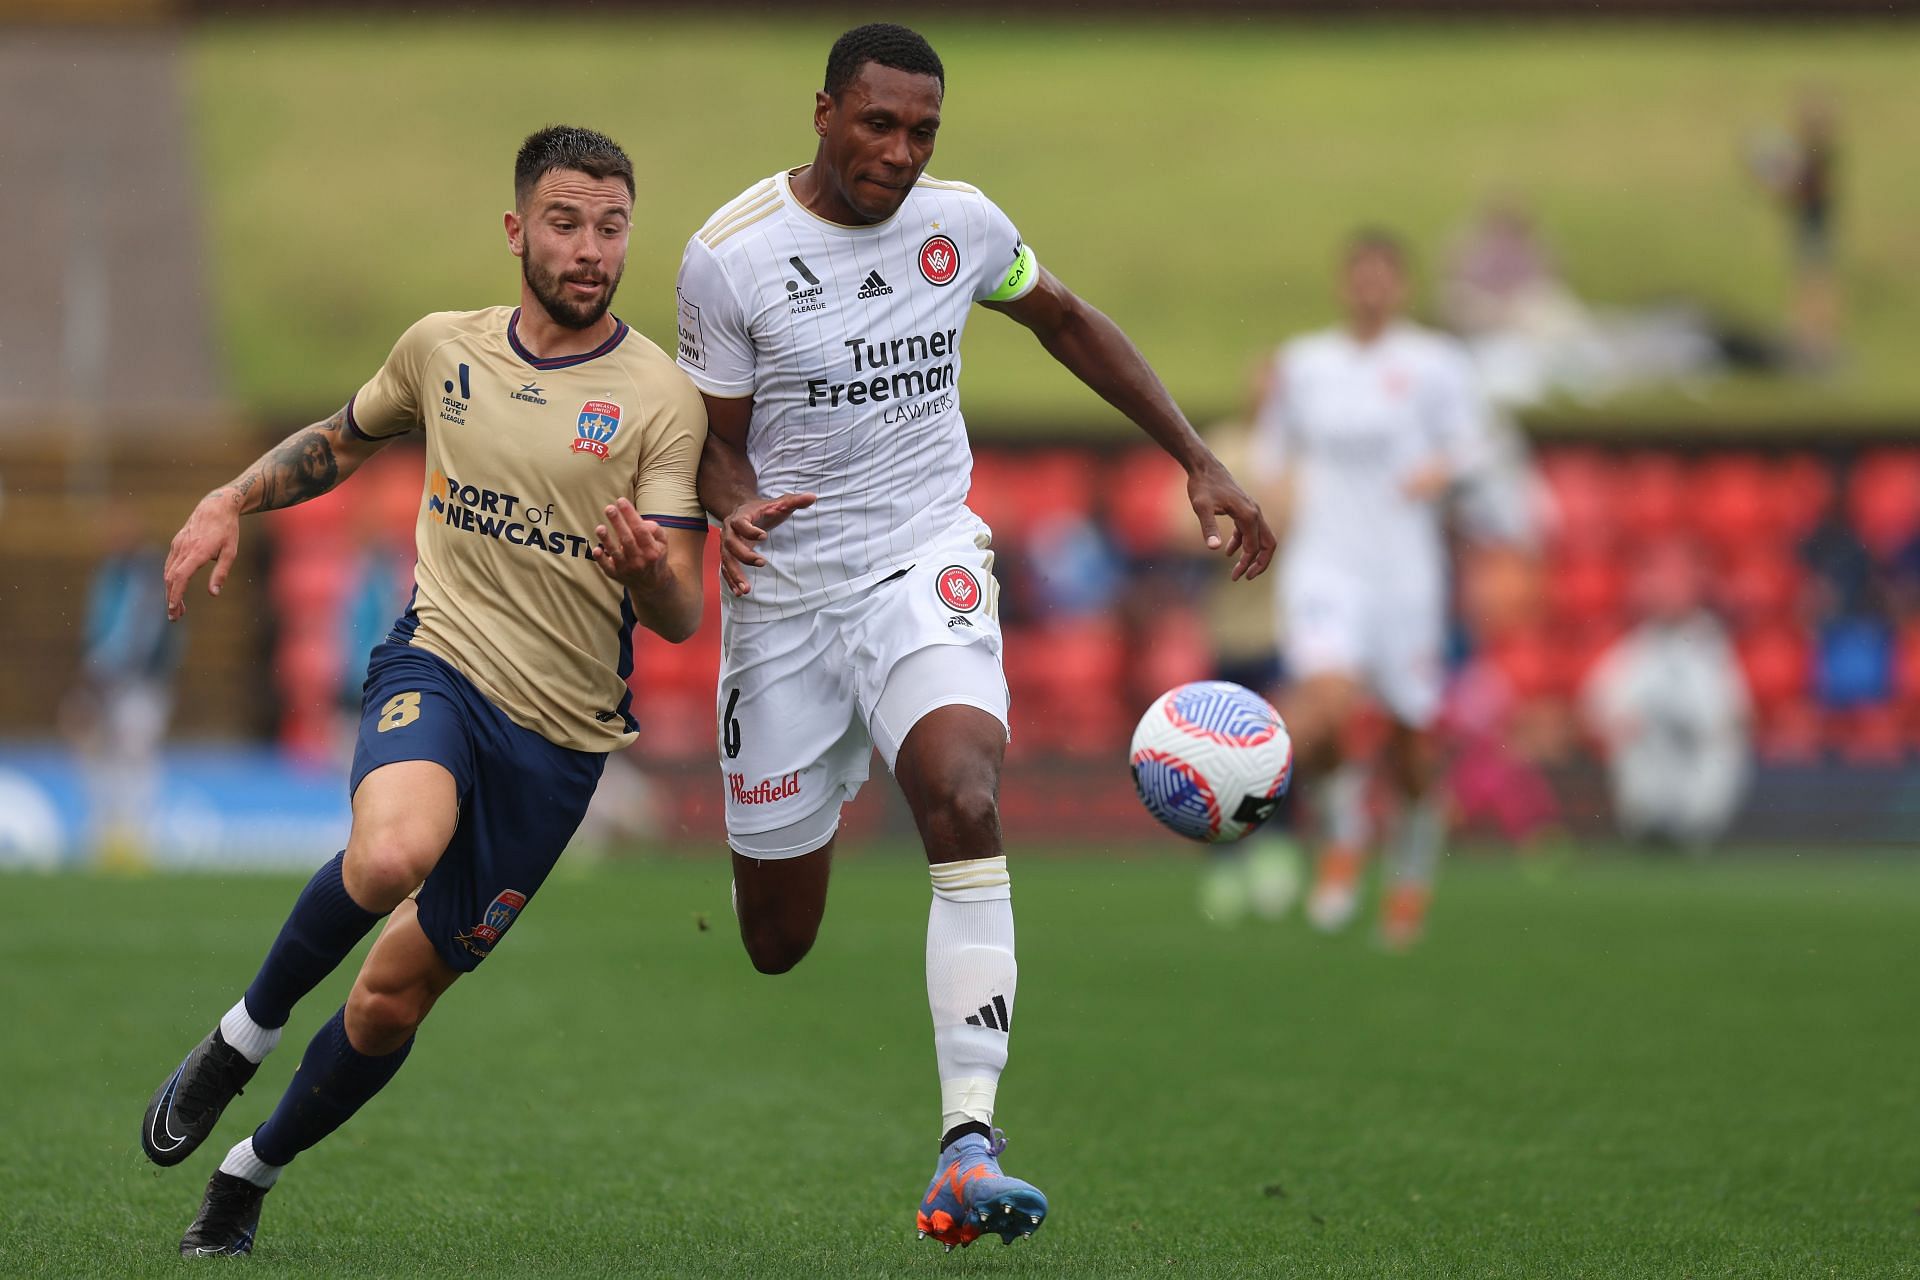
803,701
1390,641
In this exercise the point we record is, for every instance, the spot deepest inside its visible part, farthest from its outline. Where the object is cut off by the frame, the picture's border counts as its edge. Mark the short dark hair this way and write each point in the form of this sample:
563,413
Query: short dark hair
1371,241
887,43
563,146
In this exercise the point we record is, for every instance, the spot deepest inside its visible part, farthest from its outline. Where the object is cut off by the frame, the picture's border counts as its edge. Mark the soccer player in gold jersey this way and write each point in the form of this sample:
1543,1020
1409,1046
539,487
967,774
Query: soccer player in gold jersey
558,511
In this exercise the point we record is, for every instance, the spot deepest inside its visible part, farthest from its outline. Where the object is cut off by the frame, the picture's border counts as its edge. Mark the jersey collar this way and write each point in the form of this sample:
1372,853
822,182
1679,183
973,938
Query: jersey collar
561,362
785,181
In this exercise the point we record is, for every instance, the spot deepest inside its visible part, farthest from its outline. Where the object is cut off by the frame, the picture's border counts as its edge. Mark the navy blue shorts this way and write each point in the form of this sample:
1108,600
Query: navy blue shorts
521,797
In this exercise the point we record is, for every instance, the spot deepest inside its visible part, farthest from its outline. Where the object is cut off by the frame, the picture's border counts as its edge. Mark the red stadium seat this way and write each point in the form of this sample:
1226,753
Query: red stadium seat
1883,499
1067,681
1055,482
1732,501
1759,582
675,724
1778,661
1802,489
1653,495
1582,484
995,496
1175,650
1585,584
1532,663
1146,511
310,581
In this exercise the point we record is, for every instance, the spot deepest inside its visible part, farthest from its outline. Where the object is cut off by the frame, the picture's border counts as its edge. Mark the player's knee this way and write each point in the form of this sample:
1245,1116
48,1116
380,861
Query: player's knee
965,820
386,865
380,1021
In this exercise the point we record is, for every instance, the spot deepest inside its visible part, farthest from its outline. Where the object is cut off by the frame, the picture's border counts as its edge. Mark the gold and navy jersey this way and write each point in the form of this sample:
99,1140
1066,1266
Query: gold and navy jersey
523,456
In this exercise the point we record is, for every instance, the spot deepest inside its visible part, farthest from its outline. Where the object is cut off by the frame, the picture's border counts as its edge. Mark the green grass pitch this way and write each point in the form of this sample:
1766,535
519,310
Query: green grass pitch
1632,1070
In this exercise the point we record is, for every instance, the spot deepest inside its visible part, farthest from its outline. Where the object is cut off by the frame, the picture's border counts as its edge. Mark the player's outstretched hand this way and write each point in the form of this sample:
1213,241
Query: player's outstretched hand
750,523
212,532
1214,493
631,548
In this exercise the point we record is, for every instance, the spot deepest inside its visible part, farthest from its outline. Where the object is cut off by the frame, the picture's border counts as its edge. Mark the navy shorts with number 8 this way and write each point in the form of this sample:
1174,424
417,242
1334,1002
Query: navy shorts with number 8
521,797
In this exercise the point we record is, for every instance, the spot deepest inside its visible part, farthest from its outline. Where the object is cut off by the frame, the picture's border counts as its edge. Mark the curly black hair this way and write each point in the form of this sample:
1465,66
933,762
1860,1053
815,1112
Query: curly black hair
886,43
564,146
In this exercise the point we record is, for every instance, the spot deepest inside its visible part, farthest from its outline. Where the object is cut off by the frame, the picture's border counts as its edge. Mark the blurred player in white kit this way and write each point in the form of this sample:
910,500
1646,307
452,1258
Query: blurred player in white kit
1362,432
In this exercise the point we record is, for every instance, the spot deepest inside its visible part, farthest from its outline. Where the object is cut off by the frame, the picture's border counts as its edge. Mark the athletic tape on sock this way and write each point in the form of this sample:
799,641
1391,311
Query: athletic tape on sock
974,880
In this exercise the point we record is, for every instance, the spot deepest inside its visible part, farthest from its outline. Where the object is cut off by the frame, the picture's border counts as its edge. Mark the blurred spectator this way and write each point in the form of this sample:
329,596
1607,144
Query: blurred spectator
1533,338
1797,167
1069,567
378,576
118,709
1669,705
1494,786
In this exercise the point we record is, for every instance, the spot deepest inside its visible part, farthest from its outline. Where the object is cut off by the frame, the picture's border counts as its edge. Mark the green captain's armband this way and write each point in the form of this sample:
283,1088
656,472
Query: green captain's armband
1018,278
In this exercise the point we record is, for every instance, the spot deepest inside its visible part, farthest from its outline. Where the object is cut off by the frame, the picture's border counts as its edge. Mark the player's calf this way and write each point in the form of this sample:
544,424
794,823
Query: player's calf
780,903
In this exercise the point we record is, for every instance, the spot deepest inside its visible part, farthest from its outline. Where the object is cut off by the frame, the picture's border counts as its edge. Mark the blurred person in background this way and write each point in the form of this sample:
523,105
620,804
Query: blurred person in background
1669,704
1798,168
1532,337
118,709
378,580
1362,432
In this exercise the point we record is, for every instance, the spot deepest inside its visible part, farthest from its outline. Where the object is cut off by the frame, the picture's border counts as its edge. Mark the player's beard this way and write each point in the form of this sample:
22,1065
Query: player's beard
550,289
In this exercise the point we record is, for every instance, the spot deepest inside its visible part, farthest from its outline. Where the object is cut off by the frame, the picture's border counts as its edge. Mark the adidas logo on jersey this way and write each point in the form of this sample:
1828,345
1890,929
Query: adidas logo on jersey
873,286
994,1016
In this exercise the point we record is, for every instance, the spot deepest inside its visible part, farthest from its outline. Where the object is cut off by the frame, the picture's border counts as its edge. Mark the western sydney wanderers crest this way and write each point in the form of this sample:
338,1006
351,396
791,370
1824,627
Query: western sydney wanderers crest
499,915
959,590
939,260
599,419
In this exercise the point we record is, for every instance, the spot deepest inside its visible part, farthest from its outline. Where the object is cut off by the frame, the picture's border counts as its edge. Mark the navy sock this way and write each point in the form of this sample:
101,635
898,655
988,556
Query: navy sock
334,1081
325,924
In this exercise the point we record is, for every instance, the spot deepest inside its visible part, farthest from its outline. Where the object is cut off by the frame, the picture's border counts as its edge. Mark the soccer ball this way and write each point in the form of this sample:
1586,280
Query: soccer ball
1211,760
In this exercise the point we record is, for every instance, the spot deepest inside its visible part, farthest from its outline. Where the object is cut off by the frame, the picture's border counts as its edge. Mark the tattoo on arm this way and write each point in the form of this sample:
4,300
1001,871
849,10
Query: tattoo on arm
303,466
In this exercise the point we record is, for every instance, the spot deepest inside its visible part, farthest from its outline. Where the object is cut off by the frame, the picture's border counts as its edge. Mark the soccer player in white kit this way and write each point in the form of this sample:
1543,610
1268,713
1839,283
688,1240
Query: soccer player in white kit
1361,433
820,315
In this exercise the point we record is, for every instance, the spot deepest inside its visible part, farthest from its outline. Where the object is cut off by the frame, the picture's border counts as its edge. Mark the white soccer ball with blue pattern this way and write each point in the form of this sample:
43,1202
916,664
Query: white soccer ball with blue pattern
1211,760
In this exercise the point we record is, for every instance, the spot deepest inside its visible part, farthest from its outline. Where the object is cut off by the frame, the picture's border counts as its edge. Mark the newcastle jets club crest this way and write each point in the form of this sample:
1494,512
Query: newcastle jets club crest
599,419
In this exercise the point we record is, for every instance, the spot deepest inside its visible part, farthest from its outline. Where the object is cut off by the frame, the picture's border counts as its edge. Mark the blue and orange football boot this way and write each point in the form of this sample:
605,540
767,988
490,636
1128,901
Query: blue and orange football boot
970,1197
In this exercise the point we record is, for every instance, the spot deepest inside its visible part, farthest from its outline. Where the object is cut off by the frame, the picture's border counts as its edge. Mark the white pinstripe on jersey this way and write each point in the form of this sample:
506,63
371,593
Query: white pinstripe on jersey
847,339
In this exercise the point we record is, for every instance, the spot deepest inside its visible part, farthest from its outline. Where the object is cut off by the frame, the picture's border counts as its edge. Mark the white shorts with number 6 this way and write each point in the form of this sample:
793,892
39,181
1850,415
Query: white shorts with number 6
803,701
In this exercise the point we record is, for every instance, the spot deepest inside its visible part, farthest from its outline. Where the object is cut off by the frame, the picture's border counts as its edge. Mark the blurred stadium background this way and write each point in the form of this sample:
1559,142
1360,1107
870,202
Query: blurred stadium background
219,217
230,217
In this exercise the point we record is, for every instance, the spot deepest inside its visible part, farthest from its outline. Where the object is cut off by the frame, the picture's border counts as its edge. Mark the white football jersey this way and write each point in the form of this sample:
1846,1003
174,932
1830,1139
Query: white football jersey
1352,423
848,340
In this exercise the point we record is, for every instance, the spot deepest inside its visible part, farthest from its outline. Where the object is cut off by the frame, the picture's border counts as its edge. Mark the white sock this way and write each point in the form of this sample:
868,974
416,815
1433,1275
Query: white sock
1343,801
971,976
240,1031
242,1163
1418,842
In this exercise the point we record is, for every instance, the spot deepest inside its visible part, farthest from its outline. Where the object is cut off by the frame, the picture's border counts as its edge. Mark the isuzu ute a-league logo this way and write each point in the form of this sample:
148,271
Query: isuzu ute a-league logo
811,298
599,419
939,260
959,590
